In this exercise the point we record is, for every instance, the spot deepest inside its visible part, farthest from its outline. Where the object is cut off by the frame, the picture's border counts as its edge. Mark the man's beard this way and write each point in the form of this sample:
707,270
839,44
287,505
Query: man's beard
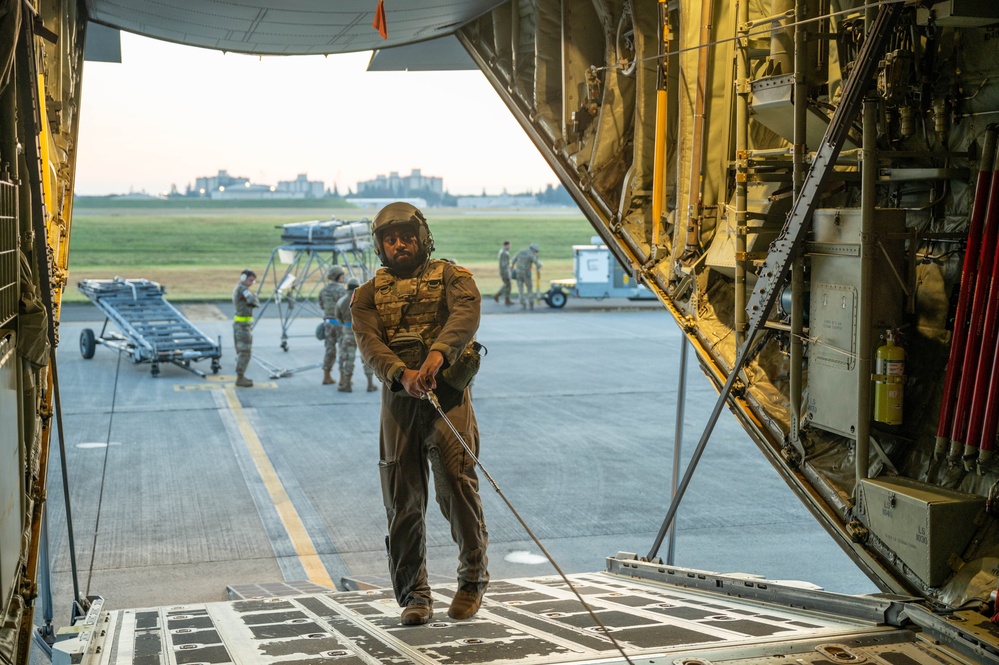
405,266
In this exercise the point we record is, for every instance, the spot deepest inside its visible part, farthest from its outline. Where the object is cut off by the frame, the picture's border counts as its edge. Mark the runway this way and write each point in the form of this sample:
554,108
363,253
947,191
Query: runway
182,486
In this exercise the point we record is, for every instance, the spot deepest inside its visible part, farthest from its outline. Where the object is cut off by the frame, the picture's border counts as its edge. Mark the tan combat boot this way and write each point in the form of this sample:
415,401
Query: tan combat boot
327,378
371,384
508,301
466,601
243,382
417,614
496,296
344,386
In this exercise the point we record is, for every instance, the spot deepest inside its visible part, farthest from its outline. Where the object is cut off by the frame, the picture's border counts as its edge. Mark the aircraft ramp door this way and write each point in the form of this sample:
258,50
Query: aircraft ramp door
673,616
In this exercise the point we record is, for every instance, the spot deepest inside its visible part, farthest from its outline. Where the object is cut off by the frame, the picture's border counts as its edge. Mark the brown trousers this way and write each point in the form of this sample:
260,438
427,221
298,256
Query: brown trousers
413,435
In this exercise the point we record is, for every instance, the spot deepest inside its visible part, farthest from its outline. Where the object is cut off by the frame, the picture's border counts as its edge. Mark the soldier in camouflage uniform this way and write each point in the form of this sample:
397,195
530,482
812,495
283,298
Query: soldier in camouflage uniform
329,296
522,263
412,320
348,346
244,300
504,271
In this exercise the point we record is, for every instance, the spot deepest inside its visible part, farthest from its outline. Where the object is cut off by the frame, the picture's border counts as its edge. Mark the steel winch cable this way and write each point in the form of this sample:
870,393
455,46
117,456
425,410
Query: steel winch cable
429,395
104,473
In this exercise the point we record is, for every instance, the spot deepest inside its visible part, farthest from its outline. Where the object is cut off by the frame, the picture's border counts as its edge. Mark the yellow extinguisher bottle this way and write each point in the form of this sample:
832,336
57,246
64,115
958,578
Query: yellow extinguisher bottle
889,381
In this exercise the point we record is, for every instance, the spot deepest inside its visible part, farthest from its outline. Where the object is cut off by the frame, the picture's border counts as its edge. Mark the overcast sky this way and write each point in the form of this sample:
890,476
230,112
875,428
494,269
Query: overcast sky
170,113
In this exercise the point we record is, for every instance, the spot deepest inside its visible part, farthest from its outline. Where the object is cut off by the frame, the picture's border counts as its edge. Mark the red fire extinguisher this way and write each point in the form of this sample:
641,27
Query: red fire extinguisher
889,381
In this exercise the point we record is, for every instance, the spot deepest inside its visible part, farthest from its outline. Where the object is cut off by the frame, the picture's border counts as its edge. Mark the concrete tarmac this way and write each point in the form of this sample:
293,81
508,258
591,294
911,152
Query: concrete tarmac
181,486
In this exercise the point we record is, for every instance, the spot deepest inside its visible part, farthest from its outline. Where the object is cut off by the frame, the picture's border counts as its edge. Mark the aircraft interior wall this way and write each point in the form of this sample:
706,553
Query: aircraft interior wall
936,91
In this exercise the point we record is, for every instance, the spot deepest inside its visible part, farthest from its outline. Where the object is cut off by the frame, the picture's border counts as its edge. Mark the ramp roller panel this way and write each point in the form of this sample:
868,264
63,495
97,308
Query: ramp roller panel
537,620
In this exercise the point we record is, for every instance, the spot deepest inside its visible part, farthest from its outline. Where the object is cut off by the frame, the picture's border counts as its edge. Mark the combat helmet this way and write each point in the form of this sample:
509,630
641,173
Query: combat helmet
353,283
398,213
534,247
334,272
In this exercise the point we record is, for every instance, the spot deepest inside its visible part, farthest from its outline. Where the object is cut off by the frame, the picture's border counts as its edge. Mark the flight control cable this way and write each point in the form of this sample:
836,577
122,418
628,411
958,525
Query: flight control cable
429,395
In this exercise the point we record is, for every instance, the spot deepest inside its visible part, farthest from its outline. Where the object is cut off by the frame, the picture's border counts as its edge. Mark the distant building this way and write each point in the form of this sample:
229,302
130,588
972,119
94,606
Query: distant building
310,189
396,187
205,186
225,186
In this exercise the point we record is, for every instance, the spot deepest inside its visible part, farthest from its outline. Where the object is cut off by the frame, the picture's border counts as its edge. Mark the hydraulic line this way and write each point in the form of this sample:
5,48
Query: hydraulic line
429,395
983,367
973,345
798,170
865,309
695,202
741,170
659,165
969,273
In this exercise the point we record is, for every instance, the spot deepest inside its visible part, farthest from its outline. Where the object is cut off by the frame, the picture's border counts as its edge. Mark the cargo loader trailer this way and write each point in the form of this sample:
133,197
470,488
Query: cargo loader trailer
152,330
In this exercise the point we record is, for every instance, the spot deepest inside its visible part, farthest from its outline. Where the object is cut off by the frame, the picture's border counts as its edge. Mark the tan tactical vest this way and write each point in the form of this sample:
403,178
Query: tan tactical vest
242,306
415,305
329,296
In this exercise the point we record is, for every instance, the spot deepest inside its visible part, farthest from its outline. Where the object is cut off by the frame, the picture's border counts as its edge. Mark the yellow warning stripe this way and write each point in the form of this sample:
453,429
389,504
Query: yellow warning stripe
300,539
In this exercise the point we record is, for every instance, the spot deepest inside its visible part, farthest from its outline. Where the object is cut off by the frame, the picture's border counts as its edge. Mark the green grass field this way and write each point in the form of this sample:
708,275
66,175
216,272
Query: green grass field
198,252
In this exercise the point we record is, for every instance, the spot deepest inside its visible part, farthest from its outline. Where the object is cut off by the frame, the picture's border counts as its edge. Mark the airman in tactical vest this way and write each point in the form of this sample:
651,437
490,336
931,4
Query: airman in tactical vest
243,301
414,322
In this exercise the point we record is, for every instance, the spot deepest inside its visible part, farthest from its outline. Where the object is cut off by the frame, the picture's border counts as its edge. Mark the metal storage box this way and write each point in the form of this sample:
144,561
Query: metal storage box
922,524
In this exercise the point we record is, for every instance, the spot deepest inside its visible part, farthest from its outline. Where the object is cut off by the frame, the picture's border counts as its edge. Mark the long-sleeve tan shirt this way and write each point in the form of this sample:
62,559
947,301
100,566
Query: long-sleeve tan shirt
444,314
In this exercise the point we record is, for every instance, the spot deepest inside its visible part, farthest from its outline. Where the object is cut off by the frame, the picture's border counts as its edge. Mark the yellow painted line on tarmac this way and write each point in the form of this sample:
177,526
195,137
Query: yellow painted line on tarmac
181,387
300,539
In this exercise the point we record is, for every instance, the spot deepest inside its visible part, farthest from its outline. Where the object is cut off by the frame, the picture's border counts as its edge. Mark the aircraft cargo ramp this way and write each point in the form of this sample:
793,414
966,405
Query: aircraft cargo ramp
656,615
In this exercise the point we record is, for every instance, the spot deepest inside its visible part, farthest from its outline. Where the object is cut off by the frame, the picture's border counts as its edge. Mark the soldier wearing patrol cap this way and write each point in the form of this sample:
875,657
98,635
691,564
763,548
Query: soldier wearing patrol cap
522,263
415,324
332,328
243,301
